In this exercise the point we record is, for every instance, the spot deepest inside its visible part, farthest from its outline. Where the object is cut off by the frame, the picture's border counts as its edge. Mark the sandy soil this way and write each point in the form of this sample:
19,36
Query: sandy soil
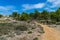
50,33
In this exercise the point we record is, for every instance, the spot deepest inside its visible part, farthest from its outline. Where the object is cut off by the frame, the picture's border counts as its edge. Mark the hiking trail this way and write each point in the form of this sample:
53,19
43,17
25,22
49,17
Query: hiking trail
50,33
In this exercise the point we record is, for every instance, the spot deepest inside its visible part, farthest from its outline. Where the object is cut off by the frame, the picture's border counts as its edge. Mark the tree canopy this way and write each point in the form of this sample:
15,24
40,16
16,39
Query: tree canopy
44,15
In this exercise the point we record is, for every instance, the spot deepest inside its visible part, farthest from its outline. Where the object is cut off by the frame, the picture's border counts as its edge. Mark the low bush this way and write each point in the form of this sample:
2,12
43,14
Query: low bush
29,32
21,28
35,38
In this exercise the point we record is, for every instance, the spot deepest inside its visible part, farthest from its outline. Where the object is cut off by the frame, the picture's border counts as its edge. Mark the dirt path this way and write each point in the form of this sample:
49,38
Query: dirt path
50,33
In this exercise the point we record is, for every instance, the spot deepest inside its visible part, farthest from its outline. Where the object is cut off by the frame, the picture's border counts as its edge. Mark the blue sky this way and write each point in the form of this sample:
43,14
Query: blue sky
9,6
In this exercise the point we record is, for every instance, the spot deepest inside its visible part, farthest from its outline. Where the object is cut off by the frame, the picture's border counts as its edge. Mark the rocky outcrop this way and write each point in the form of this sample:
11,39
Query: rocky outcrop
32,31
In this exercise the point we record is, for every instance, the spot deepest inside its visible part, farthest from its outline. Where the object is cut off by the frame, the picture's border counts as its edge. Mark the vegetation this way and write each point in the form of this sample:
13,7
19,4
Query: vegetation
54,16
1,15
21,28
36,15
29,32
35,38
5,28
24,16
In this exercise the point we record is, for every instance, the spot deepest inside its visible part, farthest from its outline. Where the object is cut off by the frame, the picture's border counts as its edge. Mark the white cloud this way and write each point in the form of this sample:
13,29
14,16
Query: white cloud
6,10
51,0
32,6
40,5
55,3
49,9
2,8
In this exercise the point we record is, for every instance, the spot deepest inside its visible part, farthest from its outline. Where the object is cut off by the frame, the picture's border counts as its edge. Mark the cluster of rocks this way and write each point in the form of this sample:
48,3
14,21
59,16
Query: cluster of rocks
57,27
32,32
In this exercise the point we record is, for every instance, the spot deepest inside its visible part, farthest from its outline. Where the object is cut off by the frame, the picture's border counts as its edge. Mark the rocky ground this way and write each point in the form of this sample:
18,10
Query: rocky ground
20,30
57,27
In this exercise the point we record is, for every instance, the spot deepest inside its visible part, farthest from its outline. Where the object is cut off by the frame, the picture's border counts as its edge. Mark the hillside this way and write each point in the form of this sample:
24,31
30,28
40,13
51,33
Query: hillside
20,30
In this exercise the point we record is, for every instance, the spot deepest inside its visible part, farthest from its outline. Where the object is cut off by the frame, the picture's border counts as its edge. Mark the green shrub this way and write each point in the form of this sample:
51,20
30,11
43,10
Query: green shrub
33,27
53,22
21,28
35,38
29,32
58,23
5,24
